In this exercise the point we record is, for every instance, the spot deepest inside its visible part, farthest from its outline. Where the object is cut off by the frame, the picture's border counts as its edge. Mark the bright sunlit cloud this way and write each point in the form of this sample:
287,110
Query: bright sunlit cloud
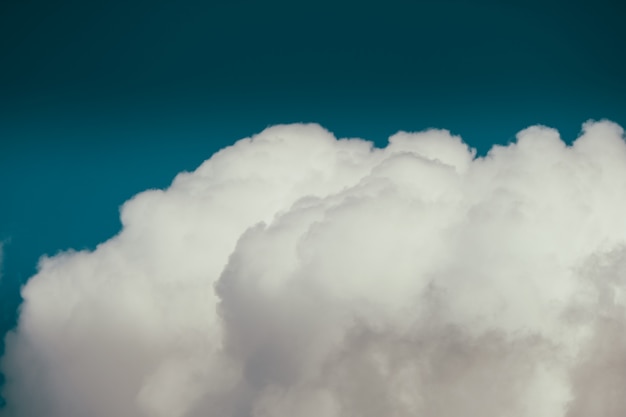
295,274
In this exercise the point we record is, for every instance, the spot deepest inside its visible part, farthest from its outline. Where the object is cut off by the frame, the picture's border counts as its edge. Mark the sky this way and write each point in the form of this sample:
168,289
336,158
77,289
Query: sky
100,101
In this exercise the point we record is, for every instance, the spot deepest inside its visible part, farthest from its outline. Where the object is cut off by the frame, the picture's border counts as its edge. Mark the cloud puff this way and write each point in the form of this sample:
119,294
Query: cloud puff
296,274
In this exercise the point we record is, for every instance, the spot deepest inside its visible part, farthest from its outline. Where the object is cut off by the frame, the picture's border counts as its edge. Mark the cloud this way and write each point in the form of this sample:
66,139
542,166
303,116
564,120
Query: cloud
296,274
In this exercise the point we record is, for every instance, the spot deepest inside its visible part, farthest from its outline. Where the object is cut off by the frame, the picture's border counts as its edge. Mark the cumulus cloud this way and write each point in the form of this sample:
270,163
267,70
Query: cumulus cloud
297,274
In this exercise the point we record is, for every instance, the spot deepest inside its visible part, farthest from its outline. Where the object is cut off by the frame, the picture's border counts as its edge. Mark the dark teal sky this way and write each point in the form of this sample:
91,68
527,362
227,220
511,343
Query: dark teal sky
101,100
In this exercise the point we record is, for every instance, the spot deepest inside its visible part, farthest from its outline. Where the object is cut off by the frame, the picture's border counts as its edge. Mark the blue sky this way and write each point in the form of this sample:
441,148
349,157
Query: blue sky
101,100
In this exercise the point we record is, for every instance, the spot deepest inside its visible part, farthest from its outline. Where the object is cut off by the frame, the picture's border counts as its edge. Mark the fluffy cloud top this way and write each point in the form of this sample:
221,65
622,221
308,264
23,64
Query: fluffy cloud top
294,274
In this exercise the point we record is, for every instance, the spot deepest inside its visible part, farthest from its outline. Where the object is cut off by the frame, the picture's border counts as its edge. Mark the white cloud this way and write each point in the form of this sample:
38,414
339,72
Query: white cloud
297,274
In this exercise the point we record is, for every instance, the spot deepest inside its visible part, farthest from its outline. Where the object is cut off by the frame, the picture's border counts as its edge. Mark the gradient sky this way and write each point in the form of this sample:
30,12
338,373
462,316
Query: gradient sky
100,100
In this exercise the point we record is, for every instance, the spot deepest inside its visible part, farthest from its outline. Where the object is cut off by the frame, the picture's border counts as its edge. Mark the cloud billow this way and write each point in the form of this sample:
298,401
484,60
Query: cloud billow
297,274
